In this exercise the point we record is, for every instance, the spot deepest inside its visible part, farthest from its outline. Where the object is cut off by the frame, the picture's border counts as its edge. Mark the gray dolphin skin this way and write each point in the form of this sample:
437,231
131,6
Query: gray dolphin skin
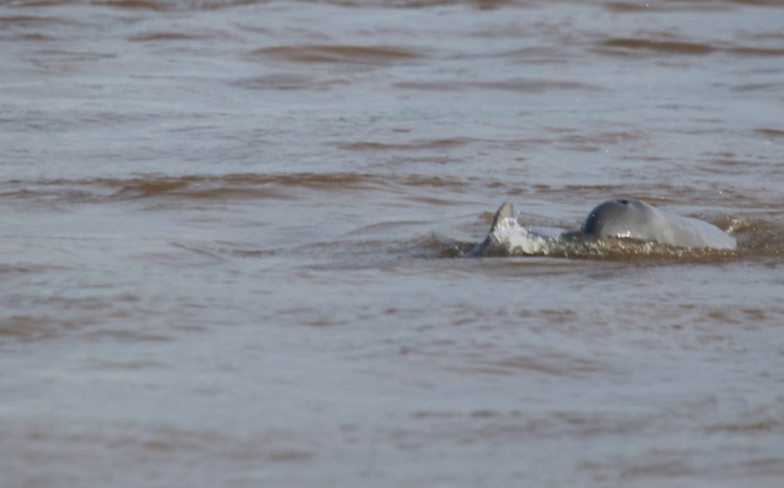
485,247
635,219
620,218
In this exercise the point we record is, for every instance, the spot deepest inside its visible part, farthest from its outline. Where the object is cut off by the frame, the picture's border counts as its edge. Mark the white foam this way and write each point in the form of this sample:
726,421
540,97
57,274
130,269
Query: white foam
516,239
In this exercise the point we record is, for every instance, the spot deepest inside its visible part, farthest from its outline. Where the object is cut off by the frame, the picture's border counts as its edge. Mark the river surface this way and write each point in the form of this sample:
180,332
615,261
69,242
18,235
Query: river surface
233,239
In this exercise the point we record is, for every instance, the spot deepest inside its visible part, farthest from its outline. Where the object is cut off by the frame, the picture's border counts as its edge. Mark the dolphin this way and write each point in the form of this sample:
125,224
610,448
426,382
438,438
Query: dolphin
617,218
636,219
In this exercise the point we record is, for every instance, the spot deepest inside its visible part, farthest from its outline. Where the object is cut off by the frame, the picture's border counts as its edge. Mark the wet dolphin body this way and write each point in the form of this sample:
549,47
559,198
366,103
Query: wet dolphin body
624,218
636,219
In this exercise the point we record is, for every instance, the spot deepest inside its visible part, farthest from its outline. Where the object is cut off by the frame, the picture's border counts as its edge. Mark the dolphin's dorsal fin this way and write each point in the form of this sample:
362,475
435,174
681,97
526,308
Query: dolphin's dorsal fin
505,211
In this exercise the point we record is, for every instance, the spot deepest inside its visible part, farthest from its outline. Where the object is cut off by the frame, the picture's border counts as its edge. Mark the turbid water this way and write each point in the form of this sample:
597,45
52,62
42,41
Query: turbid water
231,237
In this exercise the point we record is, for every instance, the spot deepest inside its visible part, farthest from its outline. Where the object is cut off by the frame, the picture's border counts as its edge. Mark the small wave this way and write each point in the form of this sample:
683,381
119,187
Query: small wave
174,5
336,54
6,269
132,4
288,81
221,250
554,363
190,5
756,51
168,36
30,327
625,46
243,186
670,47
515,85
770,133
756,237
416,145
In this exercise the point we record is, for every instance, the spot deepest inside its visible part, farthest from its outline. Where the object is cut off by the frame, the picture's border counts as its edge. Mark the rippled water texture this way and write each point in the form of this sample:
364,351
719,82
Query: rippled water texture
234,233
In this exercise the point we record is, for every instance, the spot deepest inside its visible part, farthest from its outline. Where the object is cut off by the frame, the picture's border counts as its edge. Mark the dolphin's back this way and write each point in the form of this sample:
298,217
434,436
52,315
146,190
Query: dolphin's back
689,232
636,219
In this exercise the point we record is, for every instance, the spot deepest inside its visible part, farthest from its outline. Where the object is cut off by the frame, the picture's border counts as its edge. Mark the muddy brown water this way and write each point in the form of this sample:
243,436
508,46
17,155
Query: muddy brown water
230,240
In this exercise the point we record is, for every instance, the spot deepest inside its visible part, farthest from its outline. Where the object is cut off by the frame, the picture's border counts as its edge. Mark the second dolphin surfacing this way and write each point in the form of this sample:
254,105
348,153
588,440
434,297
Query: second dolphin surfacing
618,218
